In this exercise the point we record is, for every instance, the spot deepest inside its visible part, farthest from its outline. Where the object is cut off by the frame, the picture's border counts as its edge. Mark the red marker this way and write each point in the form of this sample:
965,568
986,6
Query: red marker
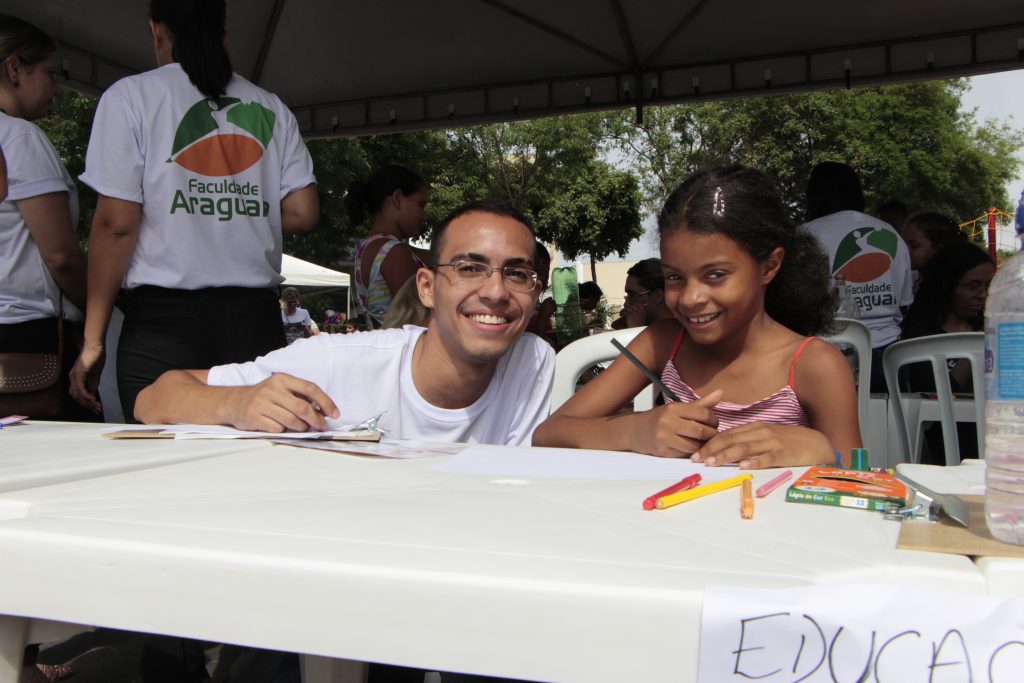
687,483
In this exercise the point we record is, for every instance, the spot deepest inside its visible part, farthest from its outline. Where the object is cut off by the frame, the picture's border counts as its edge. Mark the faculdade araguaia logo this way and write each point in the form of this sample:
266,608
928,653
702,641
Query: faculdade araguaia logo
865,254
222,154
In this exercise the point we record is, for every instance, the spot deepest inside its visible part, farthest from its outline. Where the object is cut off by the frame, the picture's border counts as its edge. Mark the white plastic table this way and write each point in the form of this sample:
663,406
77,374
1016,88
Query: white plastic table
42,453
383,560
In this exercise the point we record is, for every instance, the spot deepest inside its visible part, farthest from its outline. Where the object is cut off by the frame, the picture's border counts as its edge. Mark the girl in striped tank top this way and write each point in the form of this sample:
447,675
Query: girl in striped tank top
748,290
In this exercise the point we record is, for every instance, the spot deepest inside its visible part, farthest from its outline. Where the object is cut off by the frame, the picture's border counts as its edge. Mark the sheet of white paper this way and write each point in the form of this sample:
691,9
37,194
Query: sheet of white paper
820,634
222,432
575,463
396,448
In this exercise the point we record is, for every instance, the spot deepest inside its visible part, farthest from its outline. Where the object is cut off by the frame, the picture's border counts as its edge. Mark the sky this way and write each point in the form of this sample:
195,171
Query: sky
995,96
1001,97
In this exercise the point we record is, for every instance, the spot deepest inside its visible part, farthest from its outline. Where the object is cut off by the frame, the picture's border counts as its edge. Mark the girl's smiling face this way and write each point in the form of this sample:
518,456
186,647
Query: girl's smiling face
712,285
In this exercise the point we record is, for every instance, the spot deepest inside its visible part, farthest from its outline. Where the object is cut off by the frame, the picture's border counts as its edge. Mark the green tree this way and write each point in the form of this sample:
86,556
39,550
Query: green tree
594,213
552,169
68,127
910,142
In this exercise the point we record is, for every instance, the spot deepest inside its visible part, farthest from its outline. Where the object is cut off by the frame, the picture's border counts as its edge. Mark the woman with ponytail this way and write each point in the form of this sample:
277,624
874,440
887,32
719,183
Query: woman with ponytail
200,175
394,200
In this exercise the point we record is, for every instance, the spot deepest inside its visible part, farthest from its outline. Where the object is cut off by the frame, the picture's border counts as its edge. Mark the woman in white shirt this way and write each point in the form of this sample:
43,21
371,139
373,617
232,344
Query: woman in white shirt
40,258
200,174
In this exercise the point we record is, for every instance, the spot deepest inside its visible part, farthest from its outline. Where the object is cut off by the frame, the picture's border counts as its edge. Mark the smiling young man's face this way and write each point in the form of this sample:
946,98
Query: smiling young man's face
478,323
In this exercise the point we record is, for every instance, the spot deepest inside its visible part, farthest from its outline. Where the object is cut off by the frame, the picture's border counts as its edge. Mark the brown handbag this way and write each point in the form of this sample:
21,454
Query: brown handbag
32,383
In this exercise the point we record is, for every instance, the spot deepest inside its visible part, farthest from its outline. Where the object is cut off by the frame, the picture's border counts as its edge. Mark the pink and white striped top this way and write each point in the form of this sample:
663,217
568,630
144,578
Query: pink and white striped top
782,407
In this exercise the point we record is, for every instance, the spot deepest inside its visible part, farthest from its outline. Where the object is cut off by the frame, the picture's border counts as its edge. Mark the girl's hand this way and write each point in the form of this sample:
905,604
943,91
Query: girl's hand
757,445
678,429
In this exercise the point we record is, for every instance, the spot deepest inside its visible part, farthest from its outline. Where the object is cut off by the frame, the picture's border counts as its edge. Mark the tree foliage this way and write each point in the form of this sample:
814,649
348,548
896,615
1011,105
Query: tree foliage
554,170
581,177
909,142
68,127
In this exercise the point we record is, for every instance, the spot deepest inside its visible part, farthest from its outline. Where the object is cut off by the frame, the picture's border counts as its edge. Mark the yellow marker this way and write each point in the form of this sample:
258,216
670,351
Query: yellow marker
683,496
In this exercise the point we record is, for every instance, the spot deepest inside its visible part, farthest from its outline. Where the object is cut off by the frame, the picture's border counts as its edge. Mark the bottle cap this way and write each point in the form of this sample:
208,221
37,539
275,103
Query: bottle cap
859,460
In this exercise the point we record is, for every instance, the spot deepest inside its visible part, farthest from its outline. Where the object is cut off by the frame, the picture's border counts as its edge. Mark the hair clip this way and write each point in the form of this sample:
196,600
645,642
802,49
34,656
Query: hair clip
719,206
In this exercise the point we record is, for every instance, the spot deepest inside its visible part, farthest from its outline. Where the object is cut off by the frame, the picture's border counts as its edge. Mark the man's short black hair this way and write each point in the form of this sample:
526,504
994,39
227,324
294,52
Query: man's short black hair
590,290
498,207
648,273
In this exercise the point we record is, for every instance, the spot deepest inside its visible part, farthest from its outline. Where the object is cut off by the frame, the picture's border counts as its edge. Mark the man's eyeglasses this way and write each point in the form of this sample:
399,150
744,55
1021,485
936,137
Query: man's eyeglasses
634,295
475,274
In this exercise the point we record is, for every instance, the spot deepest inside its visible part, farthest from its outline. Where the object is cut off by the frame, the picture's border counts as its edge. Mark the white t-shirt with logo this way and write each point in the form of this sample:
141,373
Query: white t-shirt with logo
210,182
27,290
369,373
875,261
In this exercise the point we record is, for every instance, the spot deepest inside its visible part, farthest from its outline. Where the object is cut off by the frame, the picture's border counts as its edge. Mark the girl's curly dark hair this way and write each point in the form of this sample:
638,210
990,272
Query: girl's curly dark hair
744,205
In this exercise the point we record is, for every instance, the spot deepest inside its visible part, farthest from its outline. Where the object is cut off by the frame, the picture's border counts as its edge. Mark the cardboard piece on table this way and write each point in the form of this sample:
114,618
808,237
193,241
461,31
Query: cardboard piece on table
947,536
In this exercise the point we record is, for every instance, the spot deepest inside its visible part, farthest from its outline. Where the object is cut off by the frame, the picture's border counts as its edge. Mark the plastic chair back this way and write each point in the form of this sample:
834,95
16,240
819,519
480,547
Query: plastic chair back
937,350
856,334
577,357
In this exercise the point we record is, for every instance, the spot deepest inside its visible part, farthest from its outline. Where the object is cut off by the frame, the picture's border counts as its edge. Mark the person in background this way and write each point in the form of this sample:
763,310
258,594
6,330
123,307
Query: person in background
746,287
296,321
590,298
200,174
927,233
894,212
866,251
645,296
42,266
541,323
952,296
395,200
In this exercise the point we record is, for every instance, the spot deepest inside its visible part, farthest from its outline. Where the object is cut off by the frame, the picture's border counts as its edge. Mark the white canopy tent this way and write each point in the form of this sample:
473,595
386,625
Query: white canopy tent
299,273
351,67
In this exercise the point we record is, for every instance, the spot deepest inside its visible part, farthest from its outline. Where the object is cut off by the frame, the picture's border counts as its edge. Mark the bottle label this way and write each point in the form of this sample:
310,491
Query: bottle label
1009,368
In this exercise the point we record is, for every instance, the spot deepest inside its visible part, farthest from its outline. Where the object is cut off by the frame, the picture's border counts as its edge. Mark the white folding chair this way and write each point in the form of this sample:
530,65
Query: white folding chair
854,333
911,412
582,354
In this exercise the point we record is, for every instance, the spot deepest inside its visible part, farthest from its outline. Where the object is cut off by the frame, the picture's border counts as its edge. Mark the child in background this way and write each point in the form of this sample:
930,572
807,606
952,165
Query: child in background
746,288
927,233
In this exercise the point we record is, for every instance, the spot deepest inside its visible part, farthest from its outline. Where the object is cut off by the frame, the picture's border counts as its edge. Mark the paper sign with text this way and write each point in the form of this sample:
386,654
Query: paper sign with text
882,634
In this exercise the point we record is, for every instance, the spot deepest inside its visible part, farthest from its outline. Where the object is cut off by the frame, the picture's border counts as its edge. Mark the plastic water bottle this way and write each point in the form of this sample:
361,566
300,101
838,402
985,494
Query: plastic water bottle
1004,390
848,307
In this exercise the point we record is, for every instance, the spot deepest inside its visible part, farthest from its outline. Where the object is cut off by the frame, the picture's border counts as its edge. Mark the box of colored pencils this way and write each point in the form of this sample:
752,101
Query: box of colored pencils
848,489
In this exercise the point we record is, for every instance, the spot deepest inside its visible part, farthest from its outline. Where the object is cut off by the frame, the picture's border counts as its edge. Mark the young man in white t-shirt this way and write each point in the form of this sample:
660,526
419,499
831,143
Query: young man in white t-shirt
471,375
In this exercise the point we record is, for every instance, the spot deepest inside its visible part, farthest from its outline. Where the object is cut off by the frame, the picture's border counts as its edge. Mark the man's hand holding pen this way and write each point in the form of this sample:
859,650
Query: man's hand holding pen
282,402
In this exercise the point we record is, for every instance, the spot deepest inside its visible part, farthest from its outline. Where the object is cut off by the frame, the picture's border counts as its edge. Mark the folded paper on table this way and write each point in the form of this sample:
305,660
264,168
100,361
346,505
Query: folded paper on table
577,463
404,449
222,432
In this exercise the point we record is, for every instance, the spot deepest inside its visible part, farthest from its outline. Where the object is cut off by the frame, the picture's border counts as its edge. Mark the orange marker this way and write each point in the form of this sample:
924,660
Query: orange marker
747,500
